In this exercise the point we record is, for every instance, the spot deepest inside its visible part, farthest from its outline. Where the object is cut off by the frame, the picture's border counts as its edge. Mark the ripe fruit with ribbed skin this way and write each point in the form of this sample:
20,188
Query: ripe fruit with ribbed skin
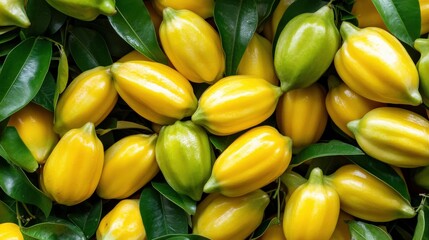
203,8
301,115
422,45
314,207
124,221
393,135
12,13
374,64
273,232
85,10
90,97
236,103
192,45
155,91
73,169
10,231
129,164
253,160
364,196
224,218
35,126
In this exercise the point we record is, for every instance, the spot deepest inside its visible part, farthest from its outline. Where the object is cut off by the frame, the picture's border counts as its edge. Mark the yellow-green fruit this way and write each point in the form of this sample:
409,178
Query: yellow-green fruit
185,156
342,231
301,115
393,135
253,160
203,8
124,221
35,126
422,46
364,196
219,217
236,103
73,169
12,13
192,45
345,105
85,10
90,97
314,207
374,64
155,91
292,181
257,60
134,55
129,164
273,232
10,231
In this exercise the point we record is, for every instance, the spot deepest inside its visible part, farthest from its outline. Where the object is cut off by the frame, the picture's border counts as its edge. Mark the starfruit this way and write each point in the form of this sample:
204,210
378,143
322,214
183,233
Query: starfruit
203,8
73,169
236,103
422,45
155,91
185,157
220,217
257,60
393,135
297,62
278,13
421,177
374,64
129,164
273,232
364,196
90,97
253,160
10,231
345,105
35,126
85,10
134,55
301,115
314,207
192,45
424,16
124,221
12,13
292,181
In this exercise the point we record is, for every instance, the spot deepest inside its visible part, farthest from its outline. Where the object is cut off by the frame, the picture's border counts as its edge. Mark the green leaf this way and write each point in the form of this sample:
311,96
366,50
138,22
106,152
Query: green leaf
237,22
264,226
422,228
62,75
58,19
265,9
53,231
183,201
45,96
7,214
365,231
222,142
182,237
160,215
133,23
402,18
39,14
16,185
22,74
13,149
8,36
88,48
87,217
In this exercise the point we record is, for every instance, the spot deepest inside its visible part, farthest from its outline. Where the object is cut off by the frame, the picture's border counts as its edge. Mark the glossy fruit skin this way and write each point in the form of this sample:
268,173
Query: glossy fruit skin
219,217
364,196
253,160
203,8
292,181
35,126
10,231
424,14
73,169
90,97
257,60
236,103
129,164
422,45
314,207
134,55
85,10
299,64
342,231
122,222
386,71
301,115
273,232
393,135
12,13
185,156
345,105
192,45
155,91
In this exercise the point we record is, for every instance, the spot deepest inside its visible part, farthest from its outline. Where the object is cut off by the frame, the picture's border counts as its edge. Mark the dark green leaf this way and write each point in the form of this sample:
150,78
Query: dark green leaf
39,14
237,22
133,23
88,48
6,48
402,18
53,231
13,149
365,231
222,142
16,185
263,227
45,96
62,75
160,215
58,19
182,237
183,201
265,9
422,228
7,214
22,74
8,36
87,217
